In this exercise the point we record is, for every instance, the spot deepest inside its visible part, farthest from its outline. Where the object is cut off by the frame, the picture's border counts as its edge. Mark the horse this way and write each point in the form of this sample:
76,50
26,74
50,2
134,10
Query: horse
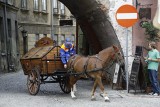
92,66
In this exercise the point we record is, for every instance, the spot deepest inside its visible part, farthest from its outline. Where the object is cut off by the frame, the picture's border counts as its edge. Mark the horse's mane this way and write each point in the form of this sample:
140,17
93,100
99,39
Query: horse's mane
107,49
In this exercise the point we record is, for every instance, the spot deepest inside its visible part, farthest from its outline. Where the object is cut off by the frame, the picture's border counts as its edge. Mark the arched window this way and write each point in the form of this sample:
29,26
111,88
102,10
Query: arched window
44,5
62,9
24,4
36,4
55,6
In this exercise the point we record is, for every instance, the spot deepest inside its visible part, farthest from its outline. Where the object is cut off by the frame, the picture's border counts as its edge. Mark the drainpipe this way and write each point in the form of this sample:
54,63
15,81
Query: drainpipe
77,37
6,33
52,20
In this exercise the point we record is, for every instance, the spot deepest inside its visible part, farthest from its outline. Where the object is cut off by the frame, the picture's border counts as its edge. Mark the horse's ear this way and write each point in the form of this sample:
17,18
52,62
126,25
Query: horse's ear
115,48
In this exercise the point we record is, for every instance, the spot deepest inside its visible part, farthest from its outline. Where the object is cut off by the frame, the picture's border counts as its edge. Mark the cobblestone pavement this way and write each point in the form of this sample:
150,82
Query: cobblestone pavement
14,93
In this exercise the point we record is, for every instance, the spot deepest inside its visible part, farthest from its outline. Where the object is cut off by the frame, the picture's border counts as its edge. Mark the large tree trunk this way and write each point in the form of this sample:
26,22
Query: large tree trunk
94,23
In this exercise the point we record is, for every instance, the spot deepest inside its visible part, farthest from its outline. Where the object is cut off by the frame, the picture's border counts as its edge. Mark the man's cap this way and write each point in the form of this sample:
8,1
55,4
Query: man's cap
68,40
68,43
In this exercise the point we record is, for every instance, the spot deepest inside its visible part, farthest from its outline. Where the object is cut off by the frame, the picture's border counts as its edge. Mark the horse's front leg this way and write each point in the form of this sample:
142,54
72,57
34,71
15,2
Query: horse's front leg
73,86
103,94
73,92
93,90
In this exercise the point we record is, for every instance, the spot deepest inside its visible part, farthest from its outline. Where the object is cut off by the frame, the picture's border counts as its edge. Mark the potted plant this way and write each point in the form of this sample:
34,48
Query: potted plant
152,35
150,31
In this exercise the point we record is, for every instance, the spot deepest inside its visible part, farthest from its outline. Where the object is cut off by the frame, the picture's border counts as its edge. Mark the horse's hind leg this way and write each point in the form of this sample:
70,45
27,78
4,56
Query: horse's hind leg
93,90
103,94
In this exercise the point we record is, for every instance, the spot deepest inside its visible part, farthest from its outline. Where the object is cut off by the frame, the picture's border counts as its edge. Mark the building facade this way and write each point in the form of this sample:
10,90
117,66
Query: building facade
9,40
23,22
39,18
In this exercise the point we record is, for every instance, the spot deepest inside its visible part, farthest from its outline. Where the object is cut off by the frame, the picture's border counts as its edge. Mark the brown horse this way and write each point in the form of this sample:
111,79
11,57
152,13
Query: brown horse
92,66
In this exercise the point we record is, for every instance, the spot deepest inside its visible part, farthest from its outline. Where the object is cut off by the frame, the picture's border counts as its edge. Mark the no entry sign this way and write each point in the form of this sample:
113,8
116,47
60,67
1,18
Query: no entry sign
127,15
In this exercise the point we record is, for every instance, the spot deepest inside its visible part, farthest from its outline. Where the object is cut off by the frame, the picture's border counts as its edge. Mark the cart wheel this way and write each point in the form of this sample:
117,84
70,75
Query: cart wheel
33,81
64,85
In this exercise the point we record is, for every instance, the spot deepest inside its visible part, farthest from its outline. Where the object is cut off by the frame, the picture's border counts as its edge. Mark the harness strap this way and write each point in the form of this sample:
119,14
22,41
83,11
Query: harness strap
85,68
85,72
71,69
72,62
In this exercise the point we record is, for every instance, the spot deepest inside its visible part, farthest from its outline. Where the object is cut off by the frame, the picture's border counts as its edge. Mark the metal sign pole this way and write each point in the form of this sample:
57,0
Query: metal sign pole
126,65
126,16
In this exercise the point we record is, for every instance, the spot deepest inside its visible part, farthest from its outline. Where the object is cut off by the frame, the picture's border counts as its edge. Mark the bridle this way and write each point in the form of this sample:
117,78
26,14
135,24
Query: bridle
115,57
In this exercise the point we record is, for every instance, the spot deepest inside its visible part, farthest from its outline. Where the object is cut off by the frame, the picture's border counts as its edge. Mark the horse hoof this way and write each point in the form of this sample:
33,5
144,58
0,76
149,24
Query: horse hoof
101,95
93,99
107,100
74,98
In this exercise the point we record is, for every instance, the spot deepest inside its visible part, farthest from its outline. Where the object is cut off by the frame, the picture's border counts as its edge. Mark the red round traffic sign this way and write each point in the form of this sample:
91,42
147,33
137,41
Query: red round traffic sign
127,15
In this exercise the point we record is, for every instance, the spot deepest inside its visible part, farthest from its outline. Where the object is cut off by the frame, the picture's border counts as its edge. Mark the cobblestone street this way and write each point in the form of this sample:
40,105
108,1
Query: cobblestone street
14,93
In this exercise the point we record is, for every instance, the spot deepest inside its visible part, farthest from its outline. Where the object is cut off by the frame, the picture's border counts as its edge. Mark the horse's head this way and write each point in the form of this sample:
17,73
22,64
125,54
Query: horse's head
117,55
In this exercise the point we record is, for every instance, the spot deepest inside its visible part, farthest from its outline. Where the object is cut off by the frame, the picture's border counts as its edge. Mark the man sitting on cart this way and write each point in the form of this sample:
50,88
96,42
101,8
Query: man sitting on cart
66,51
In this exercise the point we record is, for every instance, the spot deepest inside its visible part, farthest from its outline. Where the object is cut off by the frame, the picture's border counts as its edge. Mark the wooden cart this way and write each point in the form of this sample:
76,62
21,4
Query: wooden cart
42,64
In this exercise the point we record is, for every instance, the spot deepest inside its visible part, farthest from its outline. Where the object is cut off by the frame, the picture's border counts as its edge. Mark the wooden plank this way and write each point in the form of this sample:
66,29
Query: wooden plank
30,53
37,63
26,66
42,52
49,67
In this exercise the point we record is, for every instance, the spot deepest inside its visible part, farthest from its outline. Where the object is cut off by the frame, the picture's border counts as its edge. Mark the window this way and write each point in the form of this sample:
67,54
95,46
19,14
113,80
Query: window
24,4
62,38
72,38
62,9
37,37
10,2
17,38
55,6
2,36
44,5
35,4
44,35
9,27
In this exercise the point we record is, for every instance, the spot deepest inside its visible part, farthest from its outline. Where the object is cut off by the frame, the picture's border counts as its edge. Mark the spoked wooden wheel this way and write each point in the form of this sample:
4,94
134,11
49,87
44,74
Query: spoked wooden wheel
65,85
33,81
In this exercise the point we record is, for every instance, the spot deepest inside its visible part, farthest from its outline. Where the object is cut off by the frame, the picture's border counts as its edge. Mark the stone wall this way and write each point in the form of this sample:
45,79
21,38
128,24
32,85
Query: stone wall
121,32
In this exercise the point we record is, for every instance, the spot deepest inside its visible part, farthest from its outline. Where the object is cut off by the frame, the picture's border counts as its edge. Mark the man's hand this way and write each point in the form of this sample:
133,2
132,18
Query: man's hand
145,58
71,54
65,66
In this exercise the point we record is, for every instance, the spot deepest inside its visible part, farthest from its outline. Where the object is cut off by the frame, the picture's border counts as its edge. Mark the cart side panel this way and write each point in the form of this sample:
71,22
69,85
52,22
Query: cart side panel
54,65
37,63
26,65
53,54
44,68
52,61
